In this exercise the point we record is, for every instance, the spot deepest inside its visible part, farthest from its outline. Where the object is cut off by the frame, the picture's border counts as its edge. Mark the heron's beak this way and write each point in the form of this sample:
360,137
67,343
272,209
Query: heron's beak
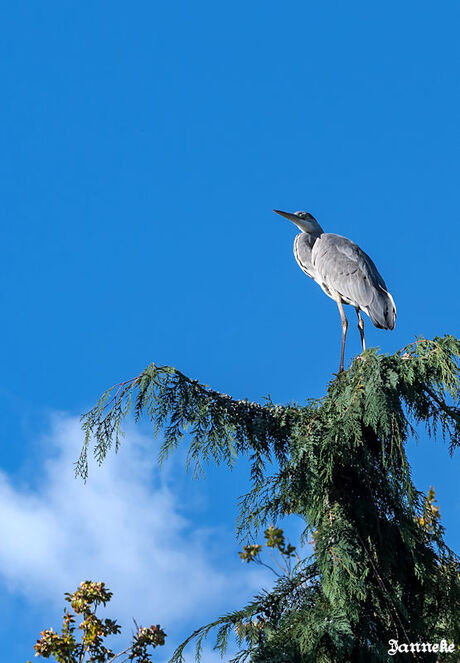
287,215
300,223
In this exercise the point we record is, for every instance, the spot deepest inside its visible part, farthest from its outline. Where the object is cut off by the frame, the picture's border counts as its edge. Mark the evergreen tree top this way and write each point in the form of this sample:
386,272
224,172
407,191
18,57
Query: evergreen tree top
379,568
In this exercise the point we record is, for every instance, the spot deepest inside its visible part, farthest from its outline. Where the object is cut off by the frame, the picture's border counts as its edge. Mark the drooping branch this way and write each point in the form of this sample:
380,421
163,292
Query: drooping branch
221,428
241,623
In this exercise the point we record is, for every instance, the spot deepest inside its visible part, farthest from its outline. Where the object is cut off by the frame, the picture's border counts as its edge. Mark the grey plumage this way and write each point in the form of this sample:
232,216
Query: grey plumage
338,264
344,272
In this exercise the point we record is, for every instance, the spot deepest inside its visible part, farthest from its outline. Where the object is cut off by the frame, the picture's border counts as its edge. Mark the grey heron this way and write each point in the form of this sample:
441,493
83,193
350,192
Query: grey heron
344,272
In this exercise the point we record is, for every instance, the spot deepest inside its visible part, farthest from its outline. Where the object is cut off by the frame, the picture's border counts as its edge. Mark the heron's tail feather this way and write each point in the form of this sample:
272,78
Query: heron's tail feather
382,310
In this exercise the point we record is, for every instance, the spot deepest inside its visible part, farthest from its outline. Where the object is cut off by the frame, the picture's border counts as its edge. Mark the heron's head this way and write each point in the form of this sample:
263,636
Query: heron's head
305,221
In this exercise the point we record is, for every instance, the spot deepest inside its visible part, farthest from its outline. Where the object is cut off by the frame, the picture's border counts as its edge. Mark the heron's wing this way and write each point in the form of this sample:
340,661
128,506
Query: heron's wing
342,266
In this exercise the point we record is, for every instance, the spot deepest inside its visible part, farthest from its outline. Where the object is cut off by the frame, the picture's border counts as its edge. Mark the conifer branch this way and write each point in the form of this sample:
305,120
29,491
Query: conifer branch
220,427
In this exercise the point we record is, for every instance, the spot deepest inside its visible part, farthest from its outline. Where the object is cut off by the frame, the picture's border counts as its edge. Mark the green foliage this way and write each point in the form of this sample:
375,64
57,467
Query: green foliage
65,648
377,571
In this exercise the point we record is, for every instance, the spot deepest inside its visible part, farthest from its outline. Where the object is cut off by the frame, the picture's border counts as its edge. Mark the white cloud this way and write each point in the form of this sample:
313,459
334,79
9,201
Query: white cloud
124,527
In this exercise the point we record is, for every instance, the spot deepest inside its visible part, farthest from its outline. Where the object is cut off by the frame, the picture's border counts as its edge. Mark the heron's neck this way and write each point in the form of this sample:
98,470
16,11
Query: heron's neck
309,239
303,245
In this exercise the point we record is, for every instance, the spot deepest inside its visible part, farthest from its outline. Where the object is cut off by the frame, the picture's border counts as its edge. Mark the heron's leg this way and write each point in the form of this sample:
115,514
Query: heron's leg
343,317
361,328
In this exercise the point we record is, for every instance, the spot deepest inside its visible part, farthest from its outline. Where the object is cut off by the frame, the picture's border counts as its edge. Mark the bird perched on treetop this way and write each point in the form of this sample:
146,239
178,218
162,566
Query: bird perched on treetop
345,273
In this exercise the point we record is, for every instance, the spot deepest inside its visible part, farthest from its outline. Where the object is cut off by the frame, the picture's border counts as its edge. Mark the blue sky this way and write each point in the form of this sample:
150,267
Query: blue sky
143,147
